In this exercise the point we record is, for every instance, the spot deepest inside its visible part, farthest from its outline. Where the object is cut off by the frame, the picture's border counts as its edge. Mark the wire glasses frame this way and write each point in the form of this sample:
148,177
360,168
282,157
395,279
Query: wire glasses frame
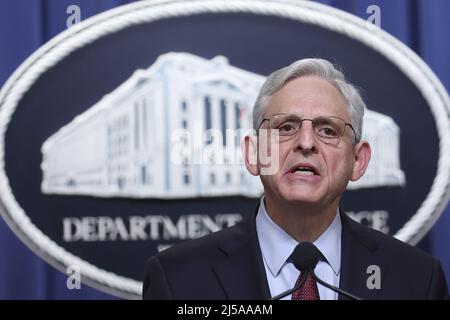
329,128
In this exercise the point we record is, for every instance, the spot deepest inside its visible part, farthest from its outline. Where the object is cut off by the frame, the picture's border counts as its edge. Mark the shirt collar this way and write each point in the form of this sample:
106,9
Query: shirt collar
277,245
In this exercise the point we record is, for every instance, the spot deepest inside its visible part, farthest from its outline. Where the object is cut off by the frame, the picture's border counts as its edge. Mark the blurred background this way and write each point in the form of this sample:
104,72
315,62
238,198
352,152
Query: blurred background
25,25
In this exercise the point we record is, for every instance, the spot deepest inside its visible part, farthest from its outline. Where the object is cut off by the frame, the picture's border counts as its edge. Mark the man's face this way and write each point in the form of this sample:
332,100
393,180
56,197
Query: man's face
311,171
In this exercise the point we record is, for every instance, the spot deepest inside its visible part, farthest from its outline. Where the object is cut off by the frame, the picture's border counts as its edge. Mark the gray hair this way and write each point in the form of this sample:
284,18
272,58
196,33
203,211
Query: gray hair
312,67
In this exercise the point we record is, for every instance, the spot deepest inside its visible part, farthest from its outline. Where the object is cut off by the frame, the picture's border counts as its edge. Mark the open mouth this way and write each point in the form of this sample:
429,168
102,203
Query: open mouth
304,170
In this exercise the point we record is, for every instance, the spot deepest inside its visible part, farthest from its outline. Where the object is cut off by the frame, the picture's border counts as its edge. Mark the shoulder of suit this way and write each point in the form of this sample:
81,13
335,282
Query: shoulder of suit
208,248
205,247
390,246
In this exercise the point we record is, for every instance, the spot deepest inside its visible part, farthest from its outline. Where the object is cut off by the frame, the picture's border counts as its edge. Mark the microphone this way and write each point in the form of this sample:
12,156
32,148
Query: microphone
305,257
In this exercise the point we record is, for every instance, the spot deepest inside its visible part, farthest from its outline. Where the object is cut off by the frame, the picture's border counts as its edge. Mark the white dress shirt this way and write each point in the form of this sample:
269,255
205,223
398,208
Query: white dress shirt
277,245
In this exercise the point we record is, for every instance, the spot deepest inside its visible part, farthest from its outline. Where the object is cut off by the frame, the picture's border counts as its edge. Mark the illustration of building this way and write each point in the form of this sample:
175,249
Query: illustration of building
384,166
125,146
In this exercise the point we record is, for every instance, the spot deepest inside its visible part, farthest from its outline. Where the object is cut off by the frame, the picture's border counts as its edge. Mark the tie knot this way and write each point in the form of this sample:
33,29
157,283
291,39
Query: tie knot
305,256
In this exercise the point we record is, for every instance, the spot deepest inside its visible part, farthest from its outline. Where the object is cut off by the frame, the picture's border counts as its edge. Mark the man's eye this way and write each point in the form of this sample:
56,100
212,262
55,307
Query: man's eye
328,132
286,128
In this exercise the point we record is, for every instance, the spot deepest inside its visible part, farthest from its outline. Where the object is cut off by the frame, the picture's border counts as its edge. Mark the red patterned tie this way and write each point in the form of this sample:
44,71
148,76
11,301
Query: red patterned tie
309,290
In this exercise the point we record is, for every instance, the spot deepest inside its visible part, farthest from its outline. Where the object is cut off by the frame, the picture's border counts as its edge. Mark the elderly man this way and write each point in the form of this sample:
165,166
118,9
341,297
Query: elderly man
308,118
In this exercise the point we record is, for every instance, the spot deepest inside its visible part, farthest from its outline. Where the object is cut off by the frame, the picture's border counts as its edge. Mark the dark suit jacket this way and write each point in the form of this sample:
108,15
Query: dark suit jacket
228,265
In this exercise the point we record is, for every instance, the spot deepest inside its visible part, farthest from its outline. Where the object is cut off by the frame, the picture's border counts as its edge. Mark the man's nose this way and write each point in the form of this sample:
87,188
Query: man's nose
306,139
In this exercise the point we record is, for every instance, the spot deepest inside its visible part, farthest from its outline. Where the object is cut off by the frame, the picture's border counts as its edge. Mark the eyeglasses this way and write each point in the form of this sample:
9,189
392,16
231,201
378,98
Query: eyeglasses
329,128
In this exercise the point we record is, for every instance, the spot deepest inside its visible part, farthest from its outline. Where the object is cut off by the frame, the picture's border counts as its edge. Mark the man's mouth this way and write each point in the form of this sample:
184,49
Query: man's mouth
304,170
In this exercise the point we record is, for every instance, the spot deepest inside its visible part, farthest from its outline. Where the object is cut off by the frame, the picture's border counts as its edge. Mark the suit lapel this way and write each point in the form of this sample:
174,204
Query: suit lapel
242,275
359,251
241,270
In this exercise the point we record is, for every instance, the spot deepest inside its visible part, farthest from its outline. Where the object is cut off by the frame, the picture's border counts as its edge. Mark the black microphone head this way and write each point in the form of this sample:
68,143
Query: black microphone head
305,256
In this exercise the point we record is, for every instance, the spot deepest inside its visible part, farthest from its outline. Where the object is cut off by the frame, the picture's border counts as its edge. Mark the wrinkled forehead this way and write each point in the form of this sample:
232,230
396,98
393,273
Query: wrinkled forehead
308,97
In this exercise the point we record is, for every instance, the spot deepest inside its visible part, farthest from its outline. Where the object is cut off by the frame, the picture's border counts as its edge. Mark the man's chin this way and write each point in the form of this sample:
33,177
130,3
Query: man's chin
300,198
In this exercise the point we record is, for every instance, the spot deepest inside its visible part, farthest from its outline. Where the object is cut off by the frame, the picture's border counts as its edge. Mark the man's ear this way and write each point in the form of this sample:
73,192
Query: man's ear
361,155
250,154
